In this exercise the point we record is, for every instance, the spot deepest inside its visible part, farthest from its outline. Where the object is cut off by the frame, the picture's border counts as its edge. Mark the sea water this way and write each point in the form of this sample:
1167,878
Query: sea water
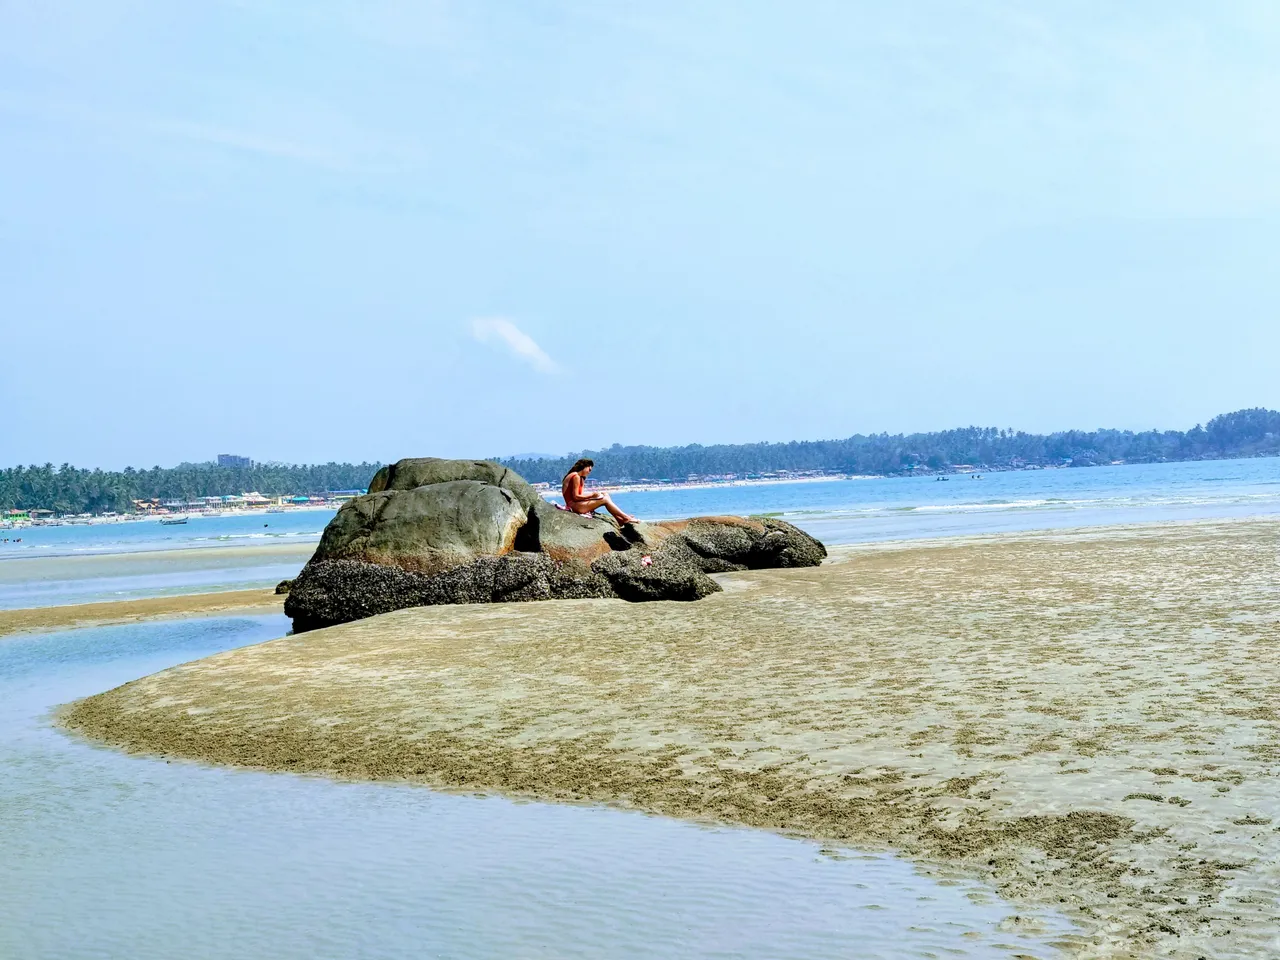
848,511
83,563
837,511
105,855
124,536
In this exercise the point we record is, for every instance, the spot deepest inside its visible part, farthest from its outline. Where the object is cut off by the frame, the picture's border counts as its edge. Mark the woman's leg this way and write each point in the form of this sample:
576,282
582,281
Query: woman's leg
587,504
613,509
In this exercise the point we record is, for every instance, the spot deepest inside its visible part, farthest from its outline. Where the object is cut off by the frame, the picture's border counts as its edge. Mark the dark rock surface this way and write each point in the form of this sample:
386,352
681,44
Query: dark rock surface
754,543
469,531
336,591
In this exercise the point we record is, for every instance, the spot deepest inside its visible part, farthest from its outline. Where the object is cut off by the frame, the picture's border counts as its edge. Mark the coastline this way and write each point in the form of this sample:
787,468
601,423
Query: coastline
214,556
1083,719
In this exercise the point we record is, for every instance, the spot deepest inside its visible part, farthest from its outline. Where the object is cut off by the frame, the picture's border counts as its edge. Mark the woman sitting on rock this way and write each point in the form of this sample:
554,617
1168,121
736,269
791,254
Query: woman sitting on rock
577,500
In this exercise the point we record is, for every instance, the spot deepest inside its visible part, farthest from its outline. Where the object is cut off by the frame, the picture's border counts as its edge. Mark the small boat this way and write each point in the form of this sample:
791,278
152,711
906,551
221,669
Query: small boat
275,510
171,521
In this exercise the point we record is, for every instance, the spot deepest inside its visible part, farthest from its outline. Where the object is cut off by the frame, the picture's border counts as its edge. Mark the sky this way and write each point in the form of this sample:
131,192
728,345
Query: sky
318,230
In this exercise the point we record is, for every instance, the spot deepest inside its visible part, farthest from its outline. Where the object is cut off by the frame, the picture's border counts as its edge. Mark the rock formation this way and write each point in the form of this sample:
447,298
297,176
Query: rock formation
470,531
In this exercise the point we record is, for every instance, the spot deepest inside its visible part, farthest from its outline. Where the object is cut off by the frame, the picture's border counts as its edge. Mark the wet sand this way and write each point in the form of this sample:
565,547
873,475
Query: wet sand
1088,721
82,586
127,611
139,563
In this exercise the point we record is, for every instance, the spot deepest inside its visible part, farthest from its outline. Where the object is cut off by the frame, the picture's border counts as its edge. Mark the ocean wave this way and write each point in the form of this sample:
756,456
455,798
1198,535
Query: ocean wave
988,505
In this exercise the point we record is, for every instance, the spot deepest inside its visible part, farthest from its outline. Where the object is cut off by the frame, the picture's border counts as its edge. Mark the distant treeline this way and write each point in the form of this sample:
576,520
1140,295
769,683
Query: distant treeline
1245,433
66,489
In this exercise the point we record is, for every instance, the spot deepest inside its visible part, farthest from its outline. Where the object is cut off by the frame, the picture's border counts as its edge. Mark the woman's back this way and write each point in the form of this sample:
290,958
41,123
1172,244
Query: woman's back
571,489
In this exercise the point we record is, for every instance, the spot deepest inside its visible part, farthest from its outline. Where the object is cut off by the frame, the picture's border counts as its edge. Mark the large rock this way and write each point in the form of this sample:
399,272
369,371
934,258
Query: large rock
681,554
566,536
753,543
470,531
427,529
415,472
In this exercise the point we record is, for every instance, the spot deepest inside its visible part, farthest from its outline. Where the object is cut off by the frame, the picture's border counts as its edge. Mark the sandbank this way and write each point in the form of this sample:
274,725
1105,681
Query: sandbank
19,569
32,619
1086,720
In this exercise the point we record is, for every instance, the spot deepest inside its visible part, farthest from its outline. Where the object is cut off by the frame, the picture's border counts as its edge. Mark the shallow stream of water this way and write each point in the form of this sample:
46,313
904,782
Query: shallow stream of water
104,855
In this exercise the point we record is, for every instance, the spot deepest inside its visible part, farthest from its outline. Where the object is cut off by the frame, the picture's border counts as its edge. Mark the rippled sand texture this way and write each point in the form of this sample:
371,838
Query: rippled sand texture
1088,720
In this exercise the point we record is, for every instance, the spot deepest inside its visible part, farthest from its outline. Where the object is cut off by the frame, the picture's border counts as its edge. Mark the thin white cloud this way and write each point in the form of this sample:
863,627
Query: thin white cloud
502,332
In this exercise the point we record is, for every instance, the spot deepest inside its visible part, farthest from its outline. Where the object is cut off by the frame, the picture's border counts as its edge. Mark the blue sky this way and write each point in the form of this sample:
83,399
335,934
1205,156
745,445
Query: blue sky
319,230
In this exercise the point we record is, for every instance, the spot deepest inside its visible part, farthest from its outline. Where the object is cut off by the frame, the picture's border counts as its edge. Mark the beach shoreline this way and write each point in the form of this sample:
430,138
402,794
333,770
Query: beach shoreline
61,582
223,551
72,616
194,602
1084,720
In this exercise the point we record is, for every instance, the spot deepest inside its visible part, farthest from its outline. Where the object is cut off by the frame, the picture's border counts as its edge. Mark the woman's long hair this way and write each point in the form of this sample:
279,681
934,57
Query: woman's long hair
578,465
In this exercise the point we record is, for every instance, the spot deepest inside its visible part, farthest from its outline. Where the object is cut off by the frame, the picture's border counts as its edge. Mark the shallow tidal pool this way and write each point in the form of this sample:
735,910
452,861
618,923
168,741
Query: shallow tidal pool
107,855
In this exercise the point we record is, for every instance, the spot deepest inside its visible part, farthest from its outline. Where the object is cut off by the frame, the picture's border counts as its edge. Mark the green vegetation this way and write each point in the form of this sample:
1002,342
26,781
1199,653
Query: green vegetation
67,489
1245,433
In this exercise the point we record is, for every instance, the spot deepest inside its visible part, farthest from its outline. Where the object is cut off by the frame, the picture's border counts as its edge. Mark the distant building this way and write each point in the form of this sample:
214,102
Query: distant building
234,462
342,496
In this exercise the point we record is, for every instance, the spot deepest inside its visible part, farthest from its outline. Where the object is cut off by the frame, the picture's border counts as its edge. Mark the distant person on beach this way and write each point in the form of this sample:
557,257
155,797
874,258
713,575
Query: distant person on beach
577,500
